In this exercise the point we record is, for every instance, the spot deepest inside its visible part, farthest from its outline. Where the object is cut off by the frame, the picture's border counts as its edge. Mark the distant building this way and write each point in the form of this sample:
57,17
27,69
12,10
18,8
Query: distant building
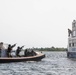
72,40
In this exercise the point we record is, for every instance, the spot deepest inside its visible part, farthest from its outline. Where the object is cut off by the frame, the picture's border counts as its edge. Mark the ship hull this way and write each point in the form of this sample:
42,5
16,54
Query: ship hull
71,54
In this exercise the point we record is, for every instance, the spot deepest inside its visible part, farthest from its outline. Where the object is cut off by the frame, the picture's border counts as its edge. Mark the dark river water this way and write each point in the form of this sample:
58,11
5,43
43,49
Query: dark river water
55,63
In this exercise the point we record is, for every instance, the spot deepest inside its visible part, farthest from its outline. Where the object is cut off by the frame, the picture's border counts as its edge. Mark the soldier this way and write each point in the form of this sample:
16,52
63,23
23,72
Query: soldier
18,50
33,53
9,49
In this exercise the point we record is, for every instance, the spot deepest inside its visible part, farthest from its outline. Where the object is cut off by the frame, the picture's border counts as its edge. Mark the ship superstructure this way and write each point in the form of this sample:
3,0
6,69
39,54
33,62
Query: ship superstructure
72,40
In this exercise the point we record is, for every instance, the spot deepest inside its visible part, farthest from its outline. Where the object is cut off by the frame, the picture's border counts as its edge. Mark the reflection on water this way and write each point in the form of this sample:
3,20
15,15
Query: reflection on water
55,63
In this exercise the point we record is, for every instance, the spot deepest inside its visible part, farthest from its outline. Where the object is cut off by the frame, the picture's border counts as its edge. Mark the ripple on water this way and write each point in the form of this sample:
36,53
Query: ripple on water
55,63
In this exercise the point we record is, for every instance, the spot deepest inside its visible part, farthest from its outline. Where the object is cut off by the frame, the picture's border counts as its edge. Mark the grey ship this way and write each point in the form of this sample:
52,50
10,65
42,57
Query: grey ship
71,52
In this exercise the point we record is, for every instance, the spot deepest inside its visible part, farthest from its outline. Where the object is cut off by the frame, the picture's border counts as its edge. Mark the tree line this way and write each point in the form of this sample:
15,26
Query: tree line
49,49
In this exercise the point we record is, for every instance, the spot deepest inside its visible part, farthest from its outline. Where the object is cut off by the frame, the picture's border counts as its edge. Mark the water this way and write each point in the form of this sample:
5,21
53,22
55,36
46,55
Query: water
55,63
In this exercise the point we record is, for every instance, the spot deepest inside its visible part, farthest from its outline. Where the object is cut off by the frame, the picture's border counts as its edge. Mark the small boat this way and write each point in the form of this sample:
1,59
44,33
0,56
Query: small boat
37,57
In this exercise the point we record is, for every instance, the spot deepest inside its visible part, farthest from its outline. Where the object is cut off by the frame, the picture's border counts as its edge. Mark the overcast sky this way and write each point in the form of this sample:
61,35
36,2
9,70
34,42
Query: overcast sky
36,23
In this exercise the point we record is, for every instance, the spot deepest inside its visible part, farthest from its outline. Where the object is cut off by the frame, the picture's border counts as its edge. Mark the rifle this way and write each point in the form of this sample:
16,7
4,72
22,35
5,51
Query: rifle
22,47
14,45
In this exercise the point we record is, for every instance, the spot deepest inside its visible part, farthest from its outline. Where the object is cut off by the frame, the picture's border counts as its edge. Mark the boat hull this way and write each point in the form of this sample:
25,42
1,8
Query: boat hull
38,57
